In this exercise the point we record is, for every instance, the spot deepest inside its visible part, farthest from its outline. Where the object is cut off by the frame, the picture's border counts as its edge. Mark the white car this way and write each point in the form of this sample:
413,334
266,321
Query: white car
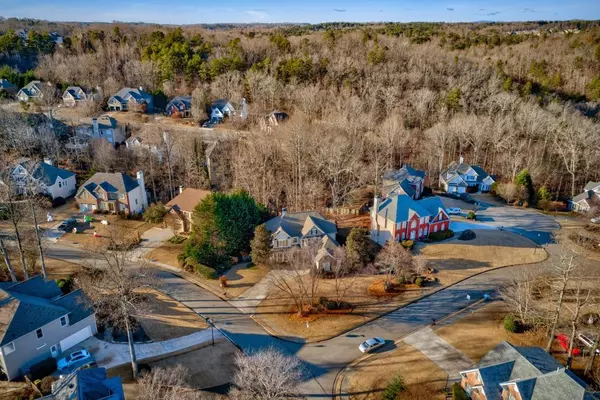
371,344
595,220
76,358
453,211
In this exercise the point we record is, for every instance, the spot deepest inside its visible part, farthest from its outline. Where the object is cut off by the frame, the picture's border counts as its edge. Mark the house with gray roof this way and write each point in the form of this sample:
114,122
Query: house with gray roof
588,200
37,322
405,180
40,177
179,107
103,127
301,229
73,96
31,92
461,177
524,373
8,88
220,109
87,384
131,99
400,217
113,192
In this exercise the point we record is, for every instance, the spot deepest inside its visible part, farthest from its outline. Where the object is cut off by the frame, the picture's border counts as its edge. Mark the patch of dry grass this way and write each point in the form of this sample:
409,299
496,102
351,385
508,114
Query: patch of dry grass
125,230
167,318
456,259
277,310
166,253
420,374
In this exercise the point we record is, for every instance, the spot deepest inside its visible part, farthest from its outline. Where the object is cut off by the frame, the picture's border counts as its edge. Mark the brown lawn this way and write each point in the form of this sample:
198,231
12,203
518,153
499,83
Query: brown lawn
456,259
15,390
419,373
166,253
277,311
58,269
239,277
121,228
167,318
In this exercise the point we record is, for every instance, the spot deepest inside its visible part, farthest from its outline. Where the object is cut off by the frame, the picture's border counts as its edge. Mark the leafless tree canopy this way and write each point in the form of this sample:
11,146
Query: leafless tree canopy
168,384
267,375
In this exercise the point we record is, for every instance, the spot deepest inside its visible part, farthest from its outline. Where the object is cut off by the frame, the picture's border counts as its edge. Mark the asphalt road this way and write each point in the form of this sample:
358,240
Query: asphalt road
324,360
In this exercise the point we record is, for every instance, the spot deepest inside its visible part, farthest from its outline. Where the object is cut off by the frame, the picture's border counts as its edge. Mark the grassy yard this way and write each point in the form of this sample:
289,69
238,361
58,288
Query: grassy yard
121,228
167,318
421,376
239,277
277,312
454,260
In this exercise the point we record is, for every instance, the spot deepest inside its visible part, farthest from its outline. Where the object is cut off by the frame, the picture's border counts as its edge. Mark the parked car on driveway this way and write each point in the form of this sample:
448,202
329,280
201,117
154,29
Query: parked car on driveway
595,220
371,344
74,359
588,341
67,225
454,211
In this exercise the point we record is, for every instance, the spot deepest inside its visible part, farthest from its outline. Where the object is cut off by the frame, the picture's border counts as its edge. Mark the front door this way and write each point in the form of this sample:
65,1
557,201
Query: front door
412,235
54,351
111,207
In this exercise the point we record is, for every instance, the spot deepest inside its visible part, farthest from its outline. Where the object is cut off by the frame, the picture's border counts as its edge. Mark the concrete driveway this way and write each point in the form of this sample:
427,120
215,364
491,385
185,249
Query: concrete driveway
523,221
151,239
442,353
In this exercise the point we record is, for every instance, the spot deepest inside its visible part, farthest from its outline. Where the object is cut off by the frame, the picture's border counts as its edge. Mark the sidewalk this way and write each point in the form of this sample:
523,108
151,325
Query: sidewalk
111,355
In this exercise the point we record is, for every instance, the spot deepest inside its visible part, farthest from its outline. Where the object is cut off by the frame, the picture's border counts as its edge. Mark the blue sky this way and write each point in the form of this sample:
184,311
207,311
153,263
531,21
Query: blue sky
313,11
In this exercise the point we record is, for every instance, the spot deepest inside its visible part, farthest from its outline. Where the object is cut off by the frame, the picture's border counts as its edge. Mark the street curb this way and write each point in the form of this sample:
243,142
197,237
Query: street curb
337,383
270,331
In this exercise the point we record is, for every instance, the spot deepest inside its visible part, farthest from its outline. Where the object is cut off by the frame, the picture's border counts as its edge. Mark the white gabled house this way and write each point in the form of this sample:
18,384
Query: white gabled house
220,109
103,127
461,178
405,180
132,100
300,229
32,91
41,177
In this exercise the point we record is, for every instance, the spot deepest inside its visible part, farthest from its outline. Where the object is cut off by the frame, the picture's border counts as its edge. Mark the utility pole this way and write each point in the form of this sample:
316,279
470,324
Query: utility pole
39,240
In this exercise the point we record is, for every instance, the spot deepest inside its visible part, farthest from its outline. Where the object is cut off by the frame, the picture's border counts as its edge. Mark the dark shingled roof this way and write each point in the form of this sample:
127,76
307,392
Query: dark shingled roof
29,305
297,224
111,182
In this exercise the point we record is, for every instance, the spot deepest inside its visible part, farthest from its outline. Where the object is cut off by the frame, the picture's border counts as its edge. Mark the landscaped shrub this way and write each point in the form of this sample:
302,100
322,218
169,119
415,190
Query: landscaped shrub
510,324
155,213
471,215
401,280
458,393
332,305
443,235
65,285
42,368
46,384
181,260
59,201
419,282
408,244
177,239
394,388
207,272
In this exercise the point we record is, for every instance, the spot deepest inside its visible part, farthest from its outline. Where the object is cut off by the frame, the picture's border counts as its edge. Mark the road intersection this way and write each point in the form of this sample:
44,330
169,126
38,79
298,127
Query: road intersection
324,360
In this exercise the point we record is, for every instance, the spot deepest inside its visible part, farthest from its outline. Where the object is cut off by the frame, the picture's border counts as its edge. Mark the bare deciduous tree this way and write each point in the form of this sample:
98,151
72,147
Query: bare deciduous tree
167,384
266,375
115,284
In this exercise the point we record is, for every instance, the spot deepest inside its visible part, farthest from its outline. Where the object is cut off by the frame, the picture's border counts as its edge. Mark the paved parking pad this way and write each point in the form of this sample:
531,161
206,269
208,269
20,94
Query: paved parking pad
446,356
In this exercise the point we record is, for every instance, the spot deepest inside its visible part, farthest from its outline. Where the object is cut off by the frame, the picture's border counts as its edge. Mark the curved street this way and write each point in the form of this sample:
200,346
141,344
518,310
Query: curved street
324,360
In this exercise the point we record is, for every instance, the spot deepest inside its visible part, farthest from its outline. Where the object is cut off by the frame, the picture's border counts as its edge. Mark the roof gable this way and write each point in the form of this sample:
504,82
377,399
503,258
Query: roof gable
400,207
188,199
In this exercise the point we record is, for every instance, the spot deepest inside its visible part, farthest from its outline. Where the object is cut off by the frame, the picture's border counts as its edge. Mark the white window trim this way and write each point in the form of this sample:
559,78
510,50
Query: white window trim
41,331
66,321
41,346
6,347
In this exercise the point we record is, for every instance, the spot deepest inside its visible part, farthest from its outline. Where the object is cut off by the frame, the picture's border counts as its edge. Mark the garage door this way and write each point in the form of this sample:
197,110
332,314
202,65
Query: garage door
75,338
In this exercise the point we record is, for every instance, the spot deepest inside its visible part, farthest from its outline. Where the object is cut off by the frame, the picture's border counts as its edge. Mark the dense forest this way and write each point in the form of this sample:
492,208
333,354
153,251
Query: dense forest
363,98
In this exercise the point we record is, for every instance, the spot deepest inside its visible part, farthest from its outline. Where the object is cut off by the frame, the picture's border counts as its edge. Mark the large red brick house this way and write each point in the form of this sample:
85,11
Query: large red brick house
399,217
